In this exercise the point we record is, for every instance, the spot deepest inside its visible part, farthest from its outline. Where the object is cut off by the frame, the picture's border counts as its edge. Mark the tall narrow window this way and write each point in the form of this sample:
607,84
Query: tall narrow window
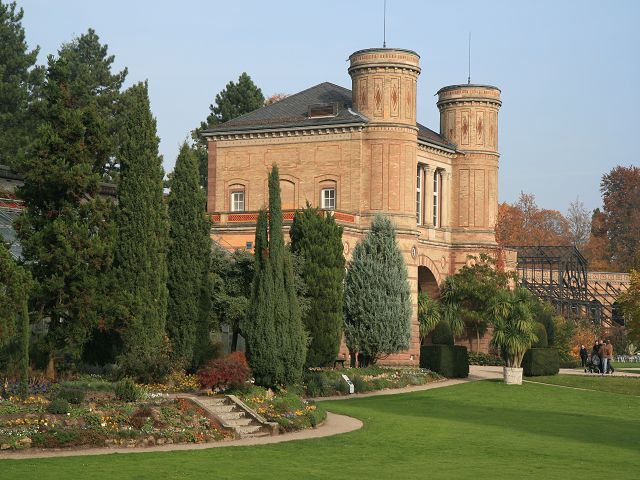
328,198
436,198
419,196
237,201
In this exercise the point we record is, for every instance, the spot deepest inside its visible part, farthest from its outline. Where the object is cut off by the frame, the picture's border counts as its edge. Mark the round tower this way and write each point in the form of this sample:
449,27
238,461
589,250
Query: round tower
384,90
469,119
384,84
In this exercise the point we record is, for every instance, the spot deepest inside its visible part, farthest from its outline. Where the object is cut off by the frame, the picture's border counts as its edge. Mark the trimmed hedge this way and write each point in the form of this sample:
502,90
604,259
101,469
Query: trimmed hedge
442,334
449,361
541,361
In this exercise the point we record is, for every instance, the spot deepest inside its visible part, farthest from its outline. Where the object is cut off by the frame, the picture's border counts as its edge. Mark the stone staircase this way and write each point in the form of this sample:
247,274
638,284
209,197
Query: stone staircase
236,416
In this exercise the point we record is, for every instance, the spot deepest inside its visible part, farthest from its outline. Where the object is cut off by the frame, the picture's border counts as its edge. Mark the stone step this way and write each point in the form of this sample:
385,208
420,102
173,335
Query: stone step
217,409
245,430
240,422
231,415
214,401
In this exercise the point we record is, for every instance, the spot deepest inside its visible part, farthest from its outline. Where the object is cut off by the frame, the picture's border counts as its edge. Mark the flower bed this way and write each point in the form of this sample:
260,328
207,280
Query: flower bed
325,382
286,408
101,421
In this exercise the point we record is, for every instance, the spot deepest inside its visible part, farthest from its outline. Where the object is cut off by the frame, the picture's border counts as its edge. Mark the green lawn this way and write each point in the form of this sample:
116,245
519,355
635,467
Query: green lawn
610,384
626,364
476,430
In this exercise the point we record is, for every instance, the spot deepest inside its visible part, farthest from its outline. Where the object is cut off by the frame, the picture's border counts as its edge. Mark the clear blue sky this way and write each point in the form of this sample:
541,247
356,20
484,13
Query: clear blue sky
569,70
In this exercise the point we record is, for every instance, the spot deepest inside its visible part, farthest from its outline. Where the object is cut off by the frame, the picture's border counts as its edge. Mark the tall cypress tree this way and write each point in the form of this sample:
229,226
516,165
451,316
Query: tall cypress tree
189,249
259,327
377,299
290,333
274,331
15,330
65,230
141,249
317,239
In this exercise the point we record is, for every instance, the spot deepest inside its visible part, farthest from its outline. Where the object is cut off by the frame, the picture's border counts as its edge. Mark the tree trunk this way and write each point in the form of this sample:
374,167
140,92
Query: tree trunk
234,340
352,359
50,372
477,341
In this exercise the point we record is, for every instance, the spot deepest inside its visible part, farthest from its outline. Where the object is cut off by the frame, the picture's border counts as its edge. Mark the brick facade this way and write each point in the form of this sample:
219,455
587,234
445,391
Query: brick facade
374,165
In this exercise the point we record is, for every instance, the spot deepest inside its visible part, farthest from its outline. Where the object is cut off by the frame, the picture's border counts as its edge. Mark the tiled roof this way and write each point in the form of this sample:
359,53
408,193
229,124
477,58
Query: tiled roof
293,111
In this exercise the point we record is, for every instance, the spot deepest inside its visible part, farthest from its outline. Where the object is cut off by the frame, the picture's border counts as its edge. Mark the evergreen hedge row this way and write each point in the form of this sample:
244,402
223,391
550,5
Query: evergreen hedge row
541,361
450,361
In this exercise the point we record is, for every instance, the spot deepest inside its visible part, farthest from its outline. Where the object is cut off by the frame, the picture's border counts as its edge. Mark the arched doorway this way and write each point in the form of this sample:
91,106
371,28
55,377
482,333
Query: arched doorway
427,282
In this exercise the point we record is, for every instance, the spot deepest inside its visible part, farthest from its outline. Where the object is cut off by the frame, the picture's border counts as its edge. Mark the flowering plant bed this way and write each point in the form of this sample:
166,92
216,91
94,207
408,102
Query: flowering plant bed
286,408
102,420
328,382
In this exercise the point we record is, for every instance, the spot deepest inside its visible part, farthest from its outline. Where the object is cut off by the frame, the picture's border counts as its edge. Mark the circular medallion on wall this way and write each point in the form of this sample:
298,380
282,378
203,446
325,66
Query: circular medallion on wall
345,248
414,252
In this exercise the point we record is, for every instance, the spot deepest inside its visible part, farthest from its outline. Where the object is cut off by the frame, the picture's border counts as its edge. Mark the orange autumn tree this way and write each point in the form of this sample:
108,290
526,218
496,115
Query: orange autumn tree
524,223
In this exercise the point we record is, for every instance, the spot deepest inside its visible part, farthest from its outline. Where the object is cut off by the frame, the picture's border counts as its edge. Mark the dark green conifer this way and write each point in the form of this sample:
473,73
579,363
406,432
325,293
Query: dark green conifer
317,240
189,250
141,249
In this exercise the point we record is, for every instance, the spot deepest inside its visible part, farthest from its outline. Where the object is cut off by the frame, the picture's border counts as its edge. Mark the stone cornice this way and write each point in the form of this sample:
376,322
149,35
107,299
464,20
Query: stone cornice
284,132
433,148
494,102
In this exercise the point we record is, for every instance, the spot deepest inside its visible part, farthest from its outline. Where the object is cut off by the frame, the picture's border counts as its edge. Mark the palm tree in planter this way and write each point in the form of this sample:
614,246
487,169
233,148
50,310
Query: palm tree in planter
513,329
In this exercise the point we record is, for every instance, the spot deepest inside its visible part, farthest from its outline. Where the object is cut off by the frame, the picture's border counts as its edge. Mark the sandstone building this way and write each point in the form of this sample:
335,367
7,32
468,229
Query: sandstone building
359,152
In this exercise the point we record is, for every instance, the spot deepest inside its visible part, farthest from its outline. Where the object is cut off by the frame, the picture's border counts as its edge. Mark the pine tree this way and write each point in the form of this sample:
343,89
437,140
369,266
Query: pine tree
234,100
189,249
377,300
207,320
19,78
317,240
65,231
276,340
141,250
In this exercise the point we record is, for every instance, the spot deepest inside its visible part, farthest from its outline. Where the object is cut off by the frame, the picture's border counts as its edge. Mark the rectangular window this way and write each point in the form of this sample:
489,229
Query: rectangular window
328,198
237,201
436,199
419,196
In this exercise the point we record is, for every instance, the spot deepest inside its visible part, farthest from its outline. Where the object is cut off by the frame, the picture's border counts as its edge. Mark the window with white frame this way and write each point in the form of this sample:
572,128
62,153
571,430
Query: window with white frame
237,201
419,196
328,198
437,182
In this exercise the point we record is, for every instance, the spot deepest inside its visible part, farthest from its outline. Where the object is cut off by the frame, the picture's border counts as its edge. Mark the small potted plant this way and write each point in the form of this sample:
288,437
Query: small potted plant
513,330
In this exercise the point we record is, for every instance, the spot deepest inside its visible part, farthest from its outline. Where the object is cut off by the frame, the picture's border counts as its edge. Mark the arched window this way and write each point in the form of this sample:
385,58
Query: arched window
237,199
328,195
437,186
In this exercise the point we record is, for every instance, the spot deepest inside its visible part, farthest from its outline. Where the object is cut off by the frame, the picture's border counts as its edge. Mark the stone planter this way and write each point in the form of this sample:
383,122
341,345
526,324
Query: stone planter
512,376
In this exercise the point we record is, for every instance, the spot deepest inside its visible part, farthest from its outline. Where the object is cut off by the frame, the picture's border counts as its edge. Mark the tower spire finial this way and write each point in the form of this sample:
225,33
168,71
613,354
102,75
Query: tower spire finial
469,77
384,25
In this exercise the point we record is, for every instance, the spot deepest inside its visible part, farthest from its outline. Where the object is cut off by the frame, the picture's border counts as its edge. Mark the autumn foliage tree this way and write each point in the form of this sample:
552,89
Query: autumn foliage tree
525,223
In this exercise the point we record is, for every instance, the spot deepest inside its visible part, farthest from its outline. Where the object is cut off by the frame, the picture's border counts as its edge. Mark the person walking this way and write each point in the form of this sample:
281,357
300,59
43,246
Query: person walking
601,355
607,357
583,356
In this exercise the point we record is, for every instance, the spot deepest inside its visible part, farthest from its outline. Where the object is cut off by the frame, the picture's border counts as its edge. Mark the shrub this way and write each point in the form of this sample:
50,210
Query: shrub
479,358
541,333
317,384
342,386
448,360
223,372
74,396
127,391
442,334
541,361
359,385
58,406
